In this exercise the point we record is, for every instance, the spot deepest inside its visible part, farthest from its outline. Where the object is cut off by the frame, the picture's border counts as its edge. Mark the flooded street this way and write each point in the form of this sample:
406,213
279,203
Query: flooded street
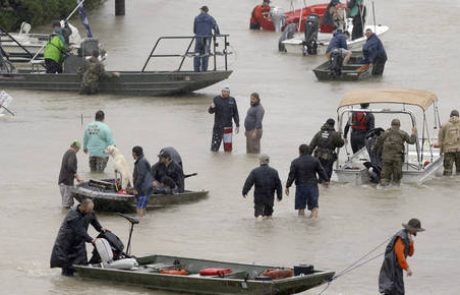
423,54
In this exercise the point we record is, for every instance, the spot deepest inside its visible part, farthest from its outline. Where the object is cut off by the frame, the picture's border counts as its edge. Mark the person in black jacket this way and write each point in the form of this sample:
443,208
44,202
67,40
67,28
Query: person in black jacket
303,171
266,182
168,176
69,247
224,109
142,179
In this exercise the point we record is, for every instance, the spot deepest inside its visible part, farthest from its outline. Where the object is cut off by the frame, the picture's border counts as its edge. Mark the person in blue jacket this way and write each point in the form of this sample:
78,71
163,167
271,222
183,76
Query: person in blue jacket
203,28
143,180
339,44
374,53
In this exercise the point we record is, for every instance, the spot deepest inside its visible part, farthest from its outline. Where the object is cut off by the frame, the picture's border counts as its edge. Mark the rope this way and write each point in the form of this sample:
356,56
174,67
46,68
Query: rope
355,265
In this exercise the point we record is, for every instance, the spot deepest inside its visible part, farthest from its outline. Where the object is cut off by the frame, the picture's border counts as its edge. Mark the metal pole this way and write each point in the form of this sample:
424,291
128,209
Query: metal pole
119,7
373,15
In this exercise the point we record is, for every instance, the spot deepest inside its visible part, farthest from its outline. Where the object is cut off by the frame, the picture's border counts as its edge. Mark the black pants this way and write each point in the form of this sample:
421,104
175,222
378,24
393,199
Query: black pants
357,31
358,140
52,67
68,271
379,67
328,167
263,210
217,136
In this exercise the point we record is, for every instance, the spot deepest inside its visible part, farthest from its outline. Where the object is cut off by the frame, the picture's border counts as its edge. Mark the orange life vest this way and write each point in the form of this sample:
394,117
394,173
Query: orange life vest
359,121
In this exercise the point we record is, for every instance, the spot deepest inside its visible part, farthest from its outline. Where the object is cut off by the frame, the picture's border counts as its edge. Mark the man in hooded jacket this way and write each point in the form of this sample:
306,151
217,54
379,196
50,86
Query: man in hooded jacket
324,144
203,28
69,248
401,245
449,143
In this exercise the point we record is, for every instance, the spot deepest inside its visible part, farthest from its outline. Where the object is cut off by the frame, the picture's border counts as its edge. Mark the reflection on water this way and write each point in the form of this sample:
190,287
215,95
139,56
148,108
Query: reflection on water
353,219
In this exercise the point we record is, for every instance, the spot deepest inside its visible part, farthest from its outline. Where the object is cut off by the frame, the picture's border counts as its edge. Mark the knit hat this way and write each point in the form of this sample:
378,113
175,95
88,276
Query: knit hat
330,122
454,113
264,159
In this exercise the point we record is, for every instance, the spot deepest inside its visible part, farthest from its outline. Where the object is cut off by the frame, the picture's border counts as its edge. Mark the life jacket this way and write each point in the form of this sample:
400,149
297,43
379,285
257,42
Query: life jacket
359,121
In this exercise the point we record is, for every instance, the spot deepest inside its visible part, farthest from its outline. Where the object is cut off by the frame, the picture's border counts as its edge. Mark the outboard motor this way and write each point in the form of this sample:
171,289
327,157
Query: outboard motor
335,64
277,14
288,33
311,34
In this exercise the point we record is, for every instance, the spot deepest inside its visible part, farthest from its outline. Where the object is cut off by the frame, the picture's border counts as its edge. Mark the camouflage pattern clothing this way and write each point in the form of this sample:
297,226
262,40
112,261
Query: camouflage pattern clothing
449,143
391,144
323,147
92,72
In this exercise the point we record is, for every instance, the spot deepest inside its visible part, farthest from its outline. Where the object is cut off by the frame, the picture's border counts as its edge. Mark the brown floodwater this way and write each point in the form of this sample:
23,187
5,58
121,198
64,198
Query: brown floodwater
353,219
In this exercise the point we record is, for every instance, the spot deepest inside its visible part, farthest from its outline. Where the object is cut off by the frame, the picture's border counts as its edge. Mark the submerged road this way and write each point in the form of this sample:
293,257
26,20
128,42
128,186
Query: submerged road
422,53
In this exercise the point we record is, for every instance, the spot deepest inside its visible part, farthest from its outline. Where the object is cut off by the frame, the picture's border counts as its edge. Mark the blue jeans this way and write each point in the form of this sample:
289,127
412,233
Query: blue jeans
202,48
141,202
306,194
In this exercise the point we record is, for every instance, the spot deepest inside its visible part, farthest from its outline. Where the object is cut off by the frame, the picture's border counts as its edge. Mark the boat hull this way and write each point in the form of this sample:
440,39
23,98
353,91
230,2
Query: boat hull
241,281
296,44
350,71
129,83
125,203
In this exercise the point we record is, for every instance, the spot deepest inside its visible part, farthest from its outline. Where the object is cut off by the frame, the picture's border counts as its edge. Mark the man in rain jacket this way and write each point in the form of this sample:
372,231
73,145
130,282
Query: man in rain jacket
55,50
69,247
391,281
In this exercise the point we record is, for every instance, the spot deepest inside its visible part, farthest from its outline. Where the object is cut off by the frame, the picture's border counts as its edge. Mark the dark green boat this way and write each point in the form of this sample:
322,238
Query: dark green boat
242,279
25,74
107,199
350,71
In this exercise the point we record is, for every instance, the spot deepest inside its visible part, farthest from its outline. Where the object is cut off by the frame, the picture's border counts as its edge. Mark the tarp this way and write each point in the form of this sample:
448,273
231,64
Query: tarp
420,98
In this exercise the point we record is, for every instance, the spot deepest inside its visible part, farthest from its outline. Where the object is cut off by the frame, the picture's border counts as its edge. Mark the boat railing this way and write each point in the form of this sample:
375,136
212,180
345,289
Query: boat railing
188,52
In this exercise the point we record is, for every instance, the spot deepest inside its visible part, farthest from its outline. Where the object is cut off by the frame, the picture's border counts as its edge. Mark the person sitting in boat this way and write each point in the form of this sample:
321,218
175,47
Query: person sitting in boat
69,248
259,12
338,44
333,17
93,72
203,28
166,168
55,50
374,53
357,11
175,156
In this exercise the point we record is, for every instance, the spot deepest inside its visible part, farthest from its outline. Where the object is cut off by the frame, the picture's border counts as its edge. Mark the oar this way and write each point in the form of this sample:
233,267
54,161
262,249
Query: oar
1,106
190,175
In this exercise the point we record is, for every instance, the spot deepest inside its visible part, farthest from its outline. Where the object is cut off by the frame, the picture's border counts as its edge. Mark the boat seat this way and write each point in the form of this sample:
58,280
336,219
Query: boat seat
105,252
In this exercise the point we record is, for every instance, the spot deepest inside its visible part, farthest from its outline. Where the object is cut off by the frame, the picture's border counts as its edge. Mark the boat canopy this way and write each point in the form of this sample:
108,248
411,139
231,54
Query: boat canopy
420,98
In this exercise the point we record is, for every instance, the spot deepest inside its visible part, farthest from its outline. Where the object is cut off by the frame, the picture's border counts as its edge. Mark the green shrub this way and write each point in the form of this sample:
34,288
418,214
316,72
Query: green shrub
37,12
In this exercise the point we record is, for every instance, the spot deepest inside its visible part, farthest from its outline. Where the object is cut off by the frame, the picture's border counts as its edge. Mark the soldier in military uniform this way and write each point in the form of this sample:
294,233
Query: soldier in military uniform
323,146
391,144
449,143
92,73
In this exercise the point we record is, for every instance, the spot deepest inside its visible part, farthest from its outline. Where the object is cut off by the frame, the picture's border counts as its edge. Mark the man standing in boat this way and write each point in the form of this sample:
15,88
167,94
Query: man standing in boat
55,50
225,110
374,53
391,145
97,137
357,11
391,281
303,171
253,124
324,144
69,247
68,173
266,182
449,143
203,28
361,122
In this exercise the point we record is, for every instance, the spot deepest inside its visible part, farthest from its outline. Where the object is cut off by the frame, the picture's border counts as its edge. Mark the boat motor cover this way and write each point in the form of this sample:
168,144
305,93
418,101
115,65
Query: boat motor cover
105,250
215,271
125,264
311,33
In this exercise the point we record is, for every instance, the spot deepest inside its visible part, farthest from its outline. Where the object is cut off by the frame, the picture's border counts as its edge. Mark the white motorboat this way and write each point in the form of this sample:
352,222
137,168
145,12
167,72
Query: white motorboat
422,160
296,44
